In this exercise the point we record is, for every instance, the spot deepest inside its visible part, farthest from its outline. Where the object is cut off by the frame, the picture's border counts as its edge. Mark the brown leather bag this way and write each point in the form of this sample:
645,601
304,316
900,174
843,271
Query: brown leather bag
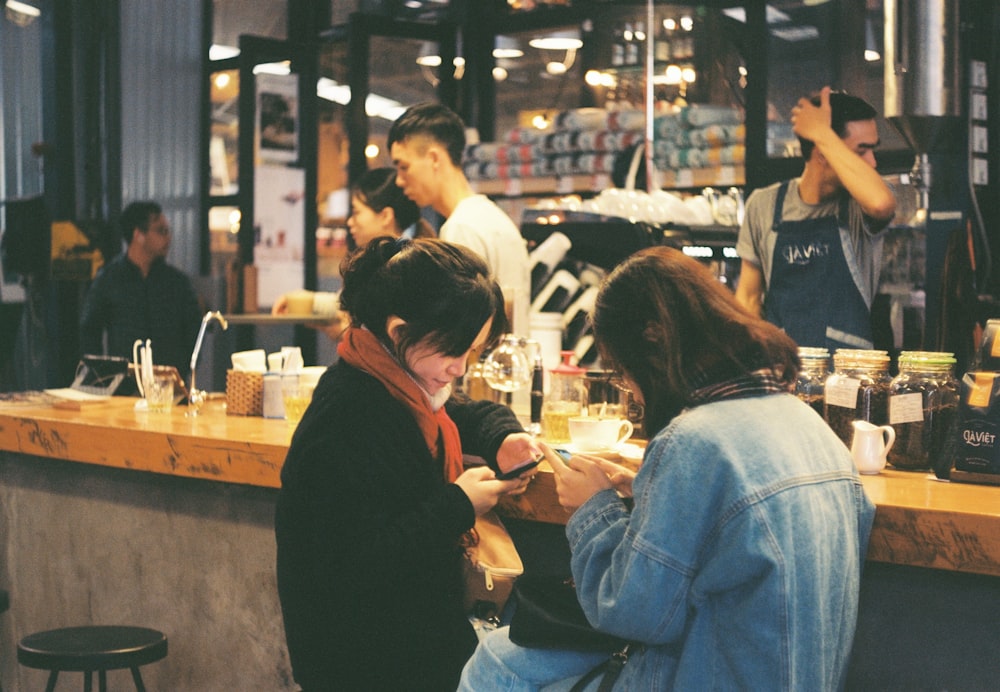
491,566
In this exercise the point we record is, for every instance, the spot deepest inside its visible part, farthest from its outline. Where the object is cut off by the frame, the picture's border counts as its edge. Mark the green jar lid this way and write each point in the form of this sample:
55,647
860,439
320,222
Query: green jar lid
813,352
926,358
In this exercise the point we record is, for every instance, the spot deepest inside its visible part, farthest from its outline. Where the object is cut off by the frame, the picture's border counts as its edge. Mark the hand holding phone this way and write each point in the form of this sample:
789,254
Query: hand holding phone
514,473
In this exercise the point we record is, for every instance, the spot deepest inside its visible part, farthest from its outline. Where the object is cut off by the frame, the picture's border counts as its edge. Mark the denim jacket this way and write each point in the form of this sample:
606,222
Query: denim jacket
739,566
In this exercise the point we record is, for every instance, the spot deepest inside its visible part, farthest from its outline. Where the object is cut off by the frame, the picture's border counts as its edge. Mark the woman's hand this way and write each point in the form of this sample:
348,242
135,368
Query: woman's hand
280,306
578,479
484,490
517,449
621,477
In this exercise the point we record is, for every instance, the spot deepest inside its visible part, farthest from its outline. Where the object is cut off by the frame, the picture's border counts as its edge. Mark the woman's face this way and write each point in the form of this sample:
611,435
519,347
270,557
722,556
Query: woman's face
365,223
434,371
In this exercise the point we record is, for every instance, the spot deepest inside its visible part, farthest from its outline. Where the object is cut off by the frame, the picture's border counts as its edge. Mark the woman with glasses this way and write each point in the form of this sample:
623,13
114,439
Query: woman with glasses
738,565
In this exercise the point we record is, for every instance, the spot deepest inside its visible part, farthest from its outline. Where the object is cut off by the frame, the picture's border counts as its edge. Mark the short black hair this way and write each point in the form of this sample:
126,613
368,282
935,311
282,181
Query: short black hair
433,120
138,215
844,109
444,292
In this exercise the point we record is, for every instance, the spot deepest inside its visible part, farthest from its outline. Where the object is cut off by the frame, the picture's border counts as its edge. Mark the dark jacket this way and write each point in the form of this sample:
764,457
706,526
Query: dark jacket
162,307
369,568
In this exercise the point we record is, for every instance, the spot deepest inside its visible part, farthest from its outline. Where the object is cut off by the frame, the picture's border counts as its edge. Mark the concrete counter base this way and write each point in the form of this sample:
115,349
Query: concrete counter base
85,544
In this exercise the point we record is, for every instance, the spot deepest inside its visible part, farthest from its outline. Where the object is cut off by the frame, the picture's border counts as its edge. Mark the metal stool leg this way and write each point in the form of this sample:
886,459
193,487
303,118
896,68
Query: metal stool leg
88,681
53,676
137,678
102,680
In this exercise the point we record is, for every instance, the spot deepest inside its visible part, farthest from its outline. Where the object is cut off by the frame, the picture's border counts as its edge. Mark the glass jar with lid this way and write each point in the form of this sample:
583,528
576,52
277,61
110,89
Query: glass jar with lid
858,389
923,410
565,399
811,381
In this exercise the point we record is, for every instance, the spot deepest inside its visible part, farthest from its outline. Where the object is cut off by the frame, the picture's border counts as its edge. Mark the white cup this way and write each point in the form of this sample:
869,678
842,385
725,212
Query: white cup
325,303
595,434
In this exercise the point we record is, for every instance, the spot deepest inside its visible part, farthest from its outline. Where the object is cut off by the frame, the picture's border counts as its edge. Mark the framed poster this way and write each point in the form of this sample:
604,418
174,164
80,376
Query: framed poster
279,231
278,117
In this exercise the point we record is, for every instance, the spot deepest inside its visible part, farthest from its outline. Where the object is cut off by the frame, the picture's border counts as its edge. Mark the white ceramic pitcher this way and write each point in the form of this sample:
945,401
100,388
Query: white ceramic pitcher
870,446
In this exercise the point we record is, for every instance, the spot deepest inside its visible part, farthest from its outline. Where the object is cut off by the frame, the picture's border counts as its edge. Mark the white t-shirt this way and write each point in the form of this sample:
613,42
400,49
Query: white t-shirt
861,240
480,225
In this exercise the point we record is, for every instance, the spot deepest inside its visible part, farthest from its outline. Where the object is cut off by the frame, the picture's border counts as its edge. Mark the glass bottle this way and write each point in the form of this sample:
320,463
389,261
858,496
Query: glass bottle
811,382
858,389
923,410
566,398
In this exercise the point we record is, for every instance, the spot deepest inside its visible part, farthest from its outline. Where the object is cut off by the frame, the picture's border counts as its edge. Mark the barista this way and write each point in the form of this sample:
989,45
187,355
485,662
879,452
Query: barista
811,247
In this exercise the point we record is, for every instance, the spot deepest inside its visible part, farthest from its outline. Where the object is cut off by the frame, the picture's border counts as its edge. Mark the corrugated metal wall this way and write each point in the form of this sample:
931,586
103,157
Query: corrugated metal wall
161,72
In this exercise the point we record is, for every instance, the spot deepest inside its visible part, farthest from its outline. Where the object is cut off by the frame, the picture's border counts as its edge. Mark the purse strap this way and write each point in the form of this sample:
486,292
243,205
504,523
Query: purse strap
609,670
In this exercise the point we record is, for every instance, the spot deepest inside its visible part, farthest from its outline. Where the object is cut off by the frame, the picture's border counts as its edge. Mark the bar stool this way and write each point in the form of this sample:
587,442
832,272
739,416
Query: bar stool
95,647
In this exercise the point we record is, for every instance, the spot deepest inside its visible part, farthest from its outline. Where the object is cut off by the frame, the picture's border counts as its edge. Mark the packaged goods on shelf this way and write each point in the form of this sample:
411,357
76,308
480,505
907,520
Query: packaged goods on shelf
584,141
699,136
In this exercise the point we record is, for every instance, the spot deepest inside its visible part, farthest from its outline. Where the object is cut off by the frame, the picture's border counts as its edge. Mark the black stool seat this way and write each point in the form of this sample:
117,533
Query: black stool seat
90,648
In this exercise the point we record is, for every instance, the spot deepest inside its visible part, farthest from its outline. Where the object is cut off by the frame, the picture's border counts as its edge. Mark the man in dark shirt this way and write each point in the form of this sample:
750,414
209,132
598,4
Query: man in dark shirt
137,295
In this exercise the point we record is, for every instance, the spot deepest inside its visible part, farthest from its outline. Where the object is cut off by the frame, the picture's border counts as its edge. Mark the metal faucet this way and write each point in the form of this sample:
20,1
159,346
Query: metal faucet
196,397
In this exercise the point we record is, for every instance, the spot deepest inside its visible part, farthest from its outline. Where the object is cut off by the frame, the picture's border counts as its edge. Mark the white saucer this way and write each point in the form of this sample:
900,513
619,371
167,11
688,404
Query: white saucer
627,450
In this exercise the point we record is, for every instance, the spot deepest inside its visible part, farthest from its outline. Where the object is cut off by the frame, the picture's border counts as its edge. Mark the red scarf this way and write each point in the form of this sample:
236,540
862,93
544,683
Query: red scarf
360,348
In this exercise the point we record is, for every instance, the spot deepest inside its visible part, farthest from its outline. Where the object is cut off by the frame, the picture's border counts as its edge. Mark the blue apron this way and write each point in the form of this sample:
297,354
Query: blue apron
812,294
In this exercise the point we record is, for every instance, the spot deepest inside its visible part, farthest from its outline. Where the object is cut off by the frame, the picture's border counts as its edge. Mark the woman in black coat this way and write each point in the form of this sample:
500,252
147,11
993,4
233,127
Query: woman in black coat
374,501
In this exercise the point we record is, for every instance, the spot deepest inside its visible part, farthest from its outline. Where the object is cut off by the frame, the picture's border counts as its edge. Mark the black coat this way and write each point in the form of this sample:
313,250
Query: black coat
369,569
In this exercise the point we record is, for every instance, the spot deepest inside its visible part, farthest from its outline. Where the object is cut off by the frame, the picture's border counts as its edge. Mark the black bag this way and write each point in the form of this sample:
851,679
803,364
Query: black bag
549,616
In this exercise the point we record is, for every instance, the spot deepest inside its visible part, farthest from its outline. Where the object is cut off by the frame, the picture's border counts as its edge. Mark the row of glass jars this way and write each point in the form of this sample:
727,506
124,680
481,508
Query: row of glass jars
920,403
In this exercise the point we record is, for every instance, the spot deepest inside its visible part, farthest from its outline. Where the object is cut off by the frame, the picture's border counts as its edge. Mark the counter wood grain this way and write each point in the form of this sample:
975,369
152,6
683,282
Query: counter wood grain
212,445
920,521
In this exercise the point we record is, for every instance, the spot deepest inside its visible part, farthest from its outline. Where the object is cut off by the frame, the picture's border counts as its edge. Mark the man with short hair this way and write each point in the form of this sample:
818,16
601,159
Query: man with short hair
427,143
812,246
137,295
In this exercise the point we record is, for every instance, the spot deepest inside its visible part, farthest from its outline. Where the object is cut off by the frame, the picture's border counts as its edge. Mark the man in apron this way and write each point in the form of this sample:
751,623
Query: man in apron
810,247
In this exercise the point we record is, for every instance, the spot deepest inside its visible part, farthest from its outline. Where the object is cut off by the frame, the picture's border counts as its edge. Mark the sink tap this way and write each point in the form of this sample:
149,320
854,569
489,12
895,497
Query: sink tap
196,397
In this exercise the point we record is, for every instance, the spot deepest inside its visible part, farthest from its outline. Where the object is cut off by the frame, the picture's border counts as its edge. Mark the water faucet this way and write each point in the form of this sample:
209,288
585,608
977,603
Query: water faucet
196,397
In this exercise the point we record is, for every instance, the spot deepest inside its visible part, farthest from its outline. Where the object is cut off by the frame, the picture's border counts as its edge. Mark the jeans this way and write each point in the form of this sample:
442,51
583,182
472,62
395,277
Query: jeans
500,665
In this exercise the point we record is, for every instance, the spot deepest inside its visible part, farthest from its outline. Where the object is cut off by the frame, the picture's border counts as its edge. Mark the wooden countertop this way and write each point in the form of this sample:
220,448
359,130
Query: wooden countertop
212,445
920,521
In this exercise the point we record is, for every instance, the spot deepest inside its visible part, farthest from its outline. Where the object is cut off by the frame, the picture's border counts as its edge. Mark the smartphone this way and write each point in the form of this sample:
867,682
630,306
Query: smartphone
563,453
520,469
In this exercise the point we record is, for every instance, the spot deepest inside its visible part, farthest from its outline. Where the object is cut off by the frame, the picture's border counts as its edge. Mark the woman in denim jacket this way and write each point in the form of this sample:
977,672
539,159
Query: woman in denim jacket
738,566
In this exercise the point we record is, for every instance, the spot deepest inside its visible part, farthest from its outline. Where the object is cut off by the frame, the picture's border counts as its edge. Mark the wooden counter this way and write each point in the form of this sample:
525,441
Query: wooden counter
211,446
920,521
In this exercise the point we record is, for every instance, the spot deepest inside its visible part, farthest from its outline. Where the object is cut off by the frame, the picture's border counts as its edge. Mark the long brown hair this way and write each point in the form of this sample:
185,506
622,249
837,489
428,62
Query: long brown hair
662,318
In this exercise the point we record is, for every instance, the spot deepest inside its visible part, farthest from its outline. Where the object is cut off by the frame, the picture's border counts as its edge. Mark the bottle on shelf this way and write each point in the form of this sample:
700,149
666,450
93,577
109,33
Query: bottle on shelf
661,44
617,46
631,45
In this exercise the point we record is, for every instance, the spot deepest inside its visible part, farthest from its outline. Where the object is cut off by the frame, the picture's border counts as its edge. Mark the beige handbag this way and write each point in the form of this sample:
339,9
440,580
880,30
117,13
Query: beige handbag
491,566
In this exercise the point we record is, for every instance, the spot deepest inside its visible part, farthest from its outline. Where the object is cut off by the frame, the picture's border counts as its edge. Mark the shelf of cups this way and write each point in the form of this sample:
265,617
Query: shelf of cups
684,178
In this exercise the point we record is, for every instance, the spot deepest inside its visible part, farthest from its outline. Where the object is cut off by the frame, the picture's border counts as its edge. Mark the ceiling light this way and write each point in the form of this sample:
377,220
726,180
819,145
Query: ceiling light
506,48
499,73
507,53
21,13
279,68
371,151
217,52
560,40
555,67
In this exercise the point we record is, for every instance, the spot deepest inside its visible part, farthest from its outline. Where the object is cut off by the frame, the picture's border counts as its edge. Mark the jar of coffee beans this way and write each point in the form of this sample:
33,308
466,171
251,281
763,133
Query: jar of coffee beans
811,381
923,410
858,389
